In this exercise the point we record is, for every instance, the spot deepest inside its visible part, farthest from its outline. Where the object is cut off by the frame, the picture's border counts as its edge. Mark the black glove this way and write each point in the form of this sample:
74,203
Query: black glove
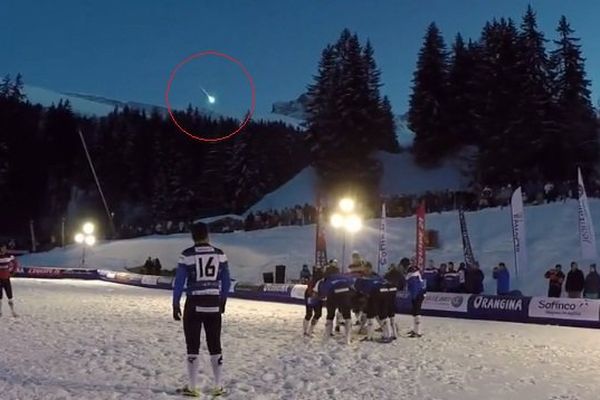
177,313
222,307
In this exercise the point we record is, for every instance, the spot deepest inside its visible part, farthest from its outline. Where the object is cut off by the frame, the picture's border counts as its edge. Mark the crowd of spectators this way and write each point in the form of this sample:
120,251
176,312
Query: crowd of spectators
298,215
576,284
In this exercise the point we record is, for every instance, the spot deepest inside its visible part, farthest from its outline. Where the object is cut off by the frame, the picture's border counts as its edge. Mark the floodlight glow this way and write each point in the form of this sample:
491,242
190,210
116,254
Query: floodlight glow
79,238
88,228
347,205
90,240
211,99
353,223
337,221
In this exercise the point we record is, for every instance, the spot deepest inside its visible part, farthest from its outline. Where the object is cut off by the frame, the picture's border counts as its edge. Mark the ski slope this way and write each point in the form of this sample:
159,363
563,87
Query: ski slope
96,340
552,237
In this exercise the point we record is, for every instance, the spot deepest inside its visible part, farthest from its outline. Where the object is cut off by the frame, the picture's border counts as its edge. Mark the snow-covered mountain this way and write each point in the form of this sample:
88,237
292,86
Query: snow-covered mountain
93,105
296,109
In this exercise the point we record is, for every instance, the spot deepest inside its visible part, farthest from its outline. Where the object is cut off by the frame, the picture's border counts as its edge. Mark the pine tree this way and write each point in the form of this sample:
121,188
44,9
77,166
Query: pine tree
428,99
388,128
460,109
576,117
17,90
5,87
497,112
535,125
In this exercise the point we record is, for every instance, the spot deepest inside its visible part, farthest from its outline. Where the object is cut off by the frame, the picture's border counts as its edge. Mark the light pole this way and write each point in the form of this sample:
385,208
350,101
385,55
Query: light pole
346,220
85,239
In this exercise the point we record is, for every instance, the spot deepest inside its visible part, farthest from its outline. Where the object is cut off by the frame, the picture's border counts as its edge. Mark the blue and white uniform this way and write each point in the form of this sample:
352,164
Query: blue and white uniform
337,289
416,290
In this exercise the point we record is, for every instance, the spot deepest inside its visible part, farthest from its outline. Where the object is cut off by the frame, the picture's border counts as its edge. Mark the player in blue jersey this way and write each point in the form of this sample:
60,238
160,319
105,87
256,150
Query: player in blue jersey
416,291
203,272
337,290
375,289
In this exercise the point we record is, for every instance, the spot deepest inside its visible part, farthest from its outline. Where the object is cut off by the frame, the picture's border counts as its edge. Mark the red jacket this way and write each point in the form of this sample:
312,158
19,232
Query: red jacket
8,264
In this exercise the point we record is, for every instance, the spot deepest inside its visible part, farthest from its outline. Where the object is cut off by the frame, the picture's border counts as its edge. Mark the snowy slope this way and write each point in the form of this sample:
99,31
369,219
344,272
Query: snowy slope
552,237
298,190
94,340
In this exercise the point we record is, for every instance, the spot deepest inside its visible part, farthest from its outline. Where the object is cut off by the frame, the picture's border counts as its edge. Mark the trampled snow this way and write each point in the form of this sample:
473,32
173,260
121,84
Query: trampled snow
552,237
94,340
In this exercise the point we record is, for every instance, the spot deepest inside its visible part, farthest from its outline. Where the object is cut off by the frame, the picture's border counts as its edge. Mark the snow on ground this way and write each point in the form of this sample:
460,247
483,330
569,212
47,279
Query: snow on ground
552,237
95,340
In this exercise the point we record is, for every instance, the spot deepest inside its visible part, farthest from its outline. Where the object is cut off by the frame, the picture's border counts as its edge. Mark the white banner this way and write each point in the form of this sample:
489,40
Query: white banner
382,259
518,228
587,236
298,291
456,302
562,308
149,280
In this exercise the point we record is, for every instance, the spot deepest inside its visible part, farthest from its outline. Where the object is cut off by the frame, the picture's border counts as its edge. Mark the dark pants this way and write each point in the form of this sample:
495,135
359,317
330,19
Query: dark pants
374,304
417,302
388,307
341,301
554,291
5,284
313,311
192,327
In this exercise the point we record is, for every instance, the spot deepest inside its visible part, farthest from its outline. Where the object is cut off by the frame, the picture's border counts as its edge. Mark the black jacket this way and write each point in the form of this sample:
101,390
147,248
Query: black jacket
575,281
474,280
592,283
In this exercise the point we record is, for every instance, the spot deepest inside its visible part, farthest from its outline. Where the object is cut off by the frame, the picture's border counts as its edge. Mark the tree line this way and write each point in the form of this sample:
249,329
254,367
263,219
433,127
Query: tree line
149,170
526,109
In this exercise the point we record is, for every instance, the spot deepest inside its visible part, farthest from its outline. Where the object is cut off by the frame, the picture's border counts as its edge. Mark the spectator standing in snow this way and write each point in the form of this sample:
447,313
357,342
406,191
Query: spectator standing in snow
432,277
305,274
502,277
474,279
555,280
575,282
591,289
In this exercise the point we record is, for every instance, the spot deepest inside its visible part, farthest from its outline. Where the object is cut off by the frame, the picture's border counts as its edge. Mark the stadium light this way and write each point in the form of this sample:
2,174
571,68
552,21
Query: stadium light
347,205
346,220
353,223
79,238
337,221
85,239
88,228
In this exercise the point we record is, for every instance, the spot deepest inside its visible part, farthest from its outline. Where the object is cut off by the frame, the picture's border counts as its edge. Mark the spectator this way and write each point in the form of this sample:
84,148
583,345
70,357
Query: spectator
305,274
575,282
474,279
181,226
555,280
395,277
591,289
462,269
148,266
451,281
157,267
432,277
502,277
359,266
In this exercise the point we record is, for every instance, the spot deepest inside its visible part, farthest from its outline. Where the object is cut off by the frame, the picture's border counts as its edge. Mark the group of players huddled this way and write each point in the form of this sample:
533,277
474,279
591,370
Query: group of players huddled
371,297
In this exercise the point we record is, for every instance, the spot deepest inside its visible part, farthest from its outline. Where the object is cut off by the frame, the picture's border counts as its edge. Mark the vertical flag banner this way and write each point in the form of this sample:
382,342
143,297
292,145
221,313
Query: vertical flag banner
587,235
518,228
466,242
421,236
382,260
320,244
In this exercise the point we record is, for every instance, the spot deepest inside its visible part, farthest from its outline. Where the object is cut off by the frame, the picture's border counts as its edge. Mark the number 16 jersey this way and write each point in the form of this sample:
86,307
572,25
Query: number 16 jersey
203,272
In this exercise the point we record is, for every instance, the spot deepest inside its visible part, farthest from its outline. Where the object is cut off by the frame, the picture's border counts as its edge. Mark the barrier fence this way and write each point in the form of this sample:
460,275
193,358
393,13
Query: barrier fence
537,310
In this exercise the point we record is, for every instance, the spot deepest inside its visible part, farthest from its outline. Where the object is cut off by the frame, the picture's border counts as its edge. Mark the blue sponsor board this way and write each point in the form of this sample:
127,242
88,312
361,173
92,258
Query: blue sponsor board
498,308
55,273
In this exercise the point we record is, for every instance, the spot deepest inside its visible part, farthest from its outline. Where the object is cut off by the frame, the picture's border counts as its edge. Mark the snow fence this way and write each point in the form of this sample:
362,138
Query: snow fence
538,310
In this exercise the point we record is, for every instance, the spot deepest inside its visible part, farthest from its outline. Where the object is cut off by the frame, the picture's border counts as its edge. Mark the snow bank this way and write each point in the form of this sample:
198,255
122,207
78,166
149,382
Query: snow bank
552,237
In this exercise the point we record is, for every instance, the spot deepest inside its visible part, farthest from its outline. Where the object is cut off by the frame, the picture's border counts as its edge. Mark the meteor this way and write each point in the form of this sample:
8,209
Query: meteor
211,99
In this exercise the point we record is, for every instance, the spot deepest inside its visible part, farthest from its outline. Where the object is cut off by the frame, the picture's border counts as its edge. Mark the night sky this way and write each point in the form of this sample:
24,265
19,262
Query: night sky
125,49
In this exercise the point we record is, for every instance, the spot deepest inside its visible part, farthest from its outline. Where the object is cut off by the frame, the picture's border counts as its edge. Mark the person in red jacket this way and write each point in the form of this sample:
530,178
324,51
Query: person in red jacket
7,264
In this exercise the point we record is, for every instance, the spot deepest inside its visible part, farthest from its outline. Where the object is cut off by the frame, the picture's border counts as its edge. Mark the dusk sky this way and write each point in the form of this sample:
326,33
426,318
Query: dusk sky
125,49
